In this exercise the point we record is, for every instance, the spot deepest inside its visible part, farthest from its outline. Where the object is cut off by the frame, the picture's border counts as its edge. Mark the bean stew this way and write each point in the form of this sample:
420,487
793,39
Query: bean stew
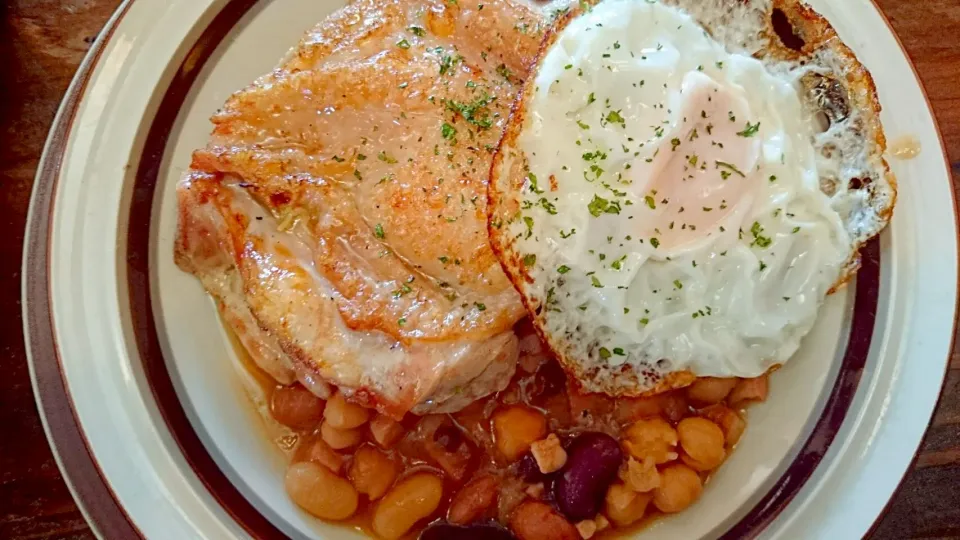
537,461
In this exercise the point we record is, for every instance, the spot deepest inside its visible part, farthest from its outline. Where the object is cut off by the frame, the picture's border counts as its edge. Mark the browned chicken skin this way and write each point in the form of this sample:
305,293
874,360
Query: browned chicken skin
338,212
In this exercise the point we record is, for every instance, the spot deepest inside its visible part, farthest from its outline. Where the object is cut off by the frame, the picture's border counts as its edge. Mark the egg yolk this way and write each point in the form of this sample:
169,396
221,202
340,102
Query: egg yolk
700,181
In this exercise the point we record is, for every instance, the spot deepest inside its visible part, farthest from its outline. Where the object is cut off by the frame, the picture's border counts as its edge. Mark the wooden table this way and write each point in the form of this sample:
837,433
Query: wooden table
41,44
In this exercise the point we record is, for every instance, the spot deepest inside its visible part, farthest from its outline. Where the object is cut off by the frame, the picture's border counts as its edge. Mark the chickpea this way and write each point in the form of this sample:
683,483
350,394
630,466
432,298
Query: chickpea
679,487
411,500
623,505
748,390
653,438
515,428
710,390
702,443
385,430
473,500
342,414
295,407
729,421
372,472
320,492
534,520
339,439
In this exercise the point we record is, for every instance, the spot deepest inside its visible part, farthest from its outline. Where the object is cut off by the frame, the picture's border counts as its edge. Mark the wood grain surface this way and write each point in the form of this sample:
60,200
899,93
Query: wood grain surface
41,44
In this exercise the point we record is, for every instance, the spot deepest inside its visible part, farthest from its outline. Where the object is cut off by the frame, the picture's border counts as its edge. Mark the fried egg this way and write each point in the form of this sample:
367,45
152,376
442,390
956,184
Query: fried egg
659,203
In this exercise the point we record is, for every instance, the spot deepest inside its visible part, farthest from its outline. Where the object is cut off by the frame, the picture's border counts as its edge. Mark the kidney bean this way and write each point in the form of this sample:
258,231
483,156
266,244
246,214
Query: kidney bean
441,530
592,464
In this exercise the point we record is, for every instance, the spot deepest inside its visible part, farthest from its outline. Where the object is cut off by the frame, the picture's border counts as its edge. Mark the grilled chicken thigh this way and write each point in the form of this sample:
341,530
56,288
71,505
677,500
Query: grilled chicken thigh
338,213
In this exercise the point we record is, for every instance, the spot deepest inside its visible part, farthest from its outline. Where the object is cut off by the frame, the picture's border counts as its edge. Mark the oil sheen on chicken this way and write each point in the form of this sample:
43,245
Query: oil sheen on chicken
337,215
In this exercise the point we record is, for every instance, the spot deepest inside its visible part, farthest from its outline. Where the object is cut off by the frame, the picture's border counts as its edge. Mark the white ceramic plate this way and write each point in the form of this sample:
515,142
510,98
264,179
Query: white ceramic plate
150,417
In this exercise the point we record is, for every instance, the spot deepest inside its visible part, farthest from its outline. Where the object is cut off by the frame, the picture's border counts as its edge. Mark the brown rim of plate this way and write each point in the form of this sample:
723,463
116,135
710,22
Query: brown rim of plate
89,485
138,278
97,500
101,504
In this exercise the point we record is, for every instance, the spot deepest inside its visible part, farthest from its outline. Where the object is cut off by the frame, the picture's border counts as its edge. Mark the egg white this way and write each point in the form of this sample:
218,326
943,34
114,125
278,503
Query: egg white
671,217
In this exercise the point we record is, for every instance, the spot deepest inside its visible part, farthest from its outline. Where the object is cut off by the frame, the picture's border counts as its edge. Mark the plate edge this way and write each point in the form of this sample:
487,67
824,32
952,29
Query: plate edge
956,301
90,489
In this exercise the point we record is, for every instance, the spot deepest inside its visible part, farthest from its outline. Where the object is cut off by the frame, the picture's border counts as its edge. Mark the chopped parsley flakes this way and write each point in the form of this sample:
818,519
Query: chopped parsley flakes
759,239
614,117
448,132
473,112
750,130
599,205
730,169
